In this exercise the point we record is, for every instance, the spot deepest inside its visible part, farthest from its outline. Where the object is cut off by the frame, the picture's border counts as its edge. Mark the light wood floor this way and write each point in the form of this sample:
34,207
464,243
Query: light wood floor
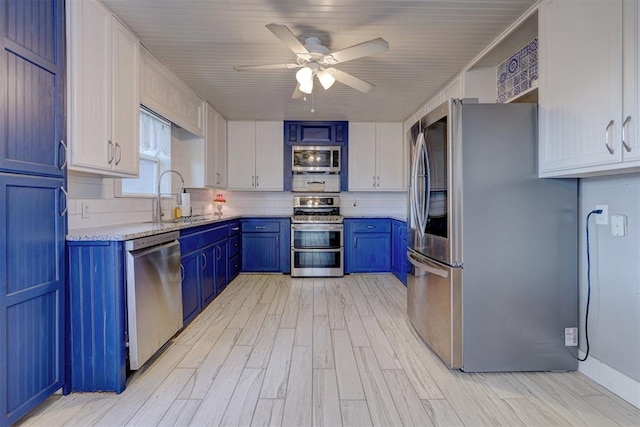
272,350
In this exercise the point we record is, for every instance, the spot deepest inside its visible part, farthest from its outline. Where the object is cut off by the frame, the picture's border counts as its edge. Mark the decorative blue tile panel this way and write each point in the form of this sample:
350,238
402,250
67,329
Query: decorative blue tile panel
519,73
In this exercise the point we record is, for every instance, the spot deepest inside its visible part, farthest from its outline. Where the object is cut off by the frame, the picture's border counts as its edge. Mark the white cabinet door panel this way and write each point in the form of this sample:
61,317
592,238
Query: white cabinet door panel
362,157
580,86
126,100
241,155
90,89
389,156
269,153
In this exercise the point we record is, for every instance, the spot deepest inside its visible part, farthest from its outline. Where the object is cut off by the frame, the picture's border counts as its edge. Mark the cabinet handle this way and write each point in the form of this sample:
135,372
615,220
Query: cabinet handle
235,228
205,261
181,273
606,137
218,178
253,180
66,195
64,163
277,241
260,227
119,152
374,180
111,153
625,126
257,181
378,181
371,227
219,251
355,242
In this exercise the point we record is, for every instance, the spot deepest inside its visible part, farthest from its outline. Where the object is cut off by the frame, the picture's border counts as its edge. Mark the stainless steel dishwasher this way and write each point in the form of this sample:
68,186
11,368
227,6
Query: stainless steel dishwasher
154,294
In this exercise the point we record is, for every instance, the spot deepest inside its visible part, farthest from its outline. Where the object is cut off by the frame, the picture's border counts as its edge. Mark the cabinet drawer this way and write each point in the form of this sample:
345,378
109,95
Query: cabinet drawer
264,226
234,228
234,245
234,266
211,236
189,243
371,226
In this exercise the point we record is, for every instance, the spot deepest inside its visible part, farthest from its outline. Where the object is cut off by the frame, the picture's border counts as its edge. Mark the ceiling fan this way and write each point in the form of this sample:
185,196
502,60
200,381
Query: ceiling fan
314,59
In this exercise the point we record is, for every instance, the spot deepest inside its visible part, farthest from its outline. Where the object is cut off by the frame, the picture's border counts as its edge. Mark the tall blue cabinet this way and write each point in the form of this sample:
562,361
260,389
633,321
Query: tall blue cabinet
33,204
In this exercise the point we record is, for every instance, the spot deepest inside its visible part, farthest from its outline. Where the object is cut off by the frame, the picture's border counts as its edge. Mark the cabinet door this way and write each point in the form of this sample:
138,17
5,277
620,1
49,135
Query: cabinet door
241,155
32,88
269,157
190,285
208,274
362,157
126,101
580,88
89,44
371,252
389,157
260,252
222,259
631,81
32,292
221,152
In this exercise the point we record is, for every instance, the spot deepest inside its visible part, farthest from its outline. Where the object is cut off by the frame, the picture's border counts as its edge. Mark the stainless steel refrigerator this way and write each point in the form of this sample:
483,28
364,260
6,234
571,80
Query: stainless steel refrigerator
493,248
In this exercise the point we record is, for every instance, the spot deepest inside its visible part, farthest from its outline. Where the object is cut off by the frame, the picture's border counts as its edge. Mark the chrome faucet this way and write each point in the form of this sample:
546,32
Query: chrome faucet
178,198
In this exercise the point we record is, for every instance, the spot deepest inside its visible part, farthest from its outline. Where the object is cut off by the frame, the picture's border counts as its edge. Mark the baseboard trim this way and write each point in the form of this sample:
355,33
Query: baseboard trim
616,382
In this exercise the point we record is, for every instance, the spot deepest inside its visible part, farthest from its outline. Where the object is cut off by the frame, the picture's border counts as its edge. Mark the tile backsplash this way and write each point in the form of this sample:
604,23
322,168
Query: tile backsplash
519,73
104,209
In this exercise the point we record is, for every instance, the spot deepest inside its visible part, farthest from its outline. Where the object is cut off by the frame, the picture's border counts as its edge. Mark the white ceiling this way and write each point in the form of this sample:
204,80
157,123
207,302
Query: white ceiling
429,40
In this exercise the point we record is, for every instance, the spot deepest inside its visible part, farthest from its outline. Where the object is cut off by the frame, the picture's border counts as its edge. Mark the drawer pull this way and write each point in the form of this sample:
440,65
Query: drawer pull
260,227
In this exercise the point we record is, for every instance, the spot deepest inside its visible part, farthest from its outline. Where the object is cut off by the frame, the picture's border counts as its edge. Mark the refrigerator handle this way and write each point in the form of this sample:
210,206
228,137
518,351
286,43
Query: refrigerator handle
424,264
413,194
427,193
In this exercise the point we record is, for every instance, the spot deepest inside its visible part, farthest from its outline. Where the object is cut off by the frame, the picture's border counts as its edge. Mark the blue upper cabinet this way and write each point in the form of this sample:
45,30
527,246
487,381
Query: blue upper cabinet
316,133
32,115
32,212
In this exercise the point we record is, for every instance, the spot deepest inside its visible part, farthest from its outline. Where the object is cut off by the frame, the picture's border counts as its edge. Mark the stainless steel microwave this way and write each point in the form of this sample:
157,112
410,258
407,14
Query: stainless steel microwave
318,159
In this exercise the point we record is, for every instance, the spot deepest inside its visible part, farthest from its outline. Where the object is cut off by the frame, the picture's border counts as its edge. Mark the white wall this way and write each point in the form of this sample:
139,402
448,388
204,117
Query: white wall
614,316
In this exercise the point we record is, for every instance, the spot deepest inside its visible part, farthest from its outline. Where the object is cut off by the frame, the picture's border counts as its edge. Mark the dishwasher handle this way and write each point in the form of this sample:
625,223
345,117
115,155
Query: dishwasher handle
142,252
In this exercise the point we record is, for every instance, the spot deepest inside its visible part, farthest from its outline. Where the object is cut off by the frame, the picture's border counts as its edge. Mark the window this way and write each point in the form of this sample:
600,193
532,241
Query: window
155,156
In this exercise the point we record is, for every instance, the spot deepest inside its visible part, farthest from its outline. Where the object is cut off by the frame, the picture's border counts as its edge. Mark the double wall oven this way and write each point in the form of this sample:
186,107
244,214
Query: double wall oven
317,237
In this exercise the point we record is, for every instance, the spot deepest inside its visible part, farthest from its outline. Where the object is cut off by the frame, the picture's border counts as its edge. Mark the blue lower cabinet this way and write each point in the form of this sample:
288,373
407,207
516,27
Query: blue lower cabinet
97,322
399,251
266,245
191,299
367,245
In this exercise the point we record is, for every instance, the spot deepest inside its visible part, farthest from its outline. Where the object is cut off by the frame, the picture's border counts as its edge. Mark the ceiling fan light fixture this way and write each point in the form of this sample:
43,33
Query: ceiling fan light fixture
304,75
307,87
326,78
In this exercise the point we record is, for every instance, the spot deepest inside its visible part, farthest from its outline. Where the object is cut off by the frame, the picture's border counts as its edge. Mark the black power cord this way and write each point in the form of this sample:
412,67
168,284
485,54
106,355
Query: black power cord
586,316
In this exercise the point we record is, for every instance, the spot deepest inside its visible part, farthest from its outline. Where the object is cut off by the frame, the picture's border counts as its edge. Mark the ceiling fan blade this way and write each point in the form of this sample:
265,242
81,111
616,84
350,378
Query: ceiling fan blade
351,81
287,37
265,67
297,93
358,51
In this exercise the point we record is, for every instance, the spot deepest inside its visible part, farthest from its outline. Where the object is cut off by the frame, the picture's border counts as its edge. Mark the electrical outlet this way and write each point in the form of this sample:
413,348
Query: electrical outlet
618,225
570,337
603,218
86,210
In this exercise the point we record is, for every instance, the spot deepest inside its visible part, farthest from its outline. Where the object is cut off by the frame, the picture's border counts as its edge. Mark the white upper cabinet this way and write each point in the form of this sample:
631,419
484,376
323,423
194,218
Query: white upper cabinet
255,155
376,157
582,64
204,160
104,99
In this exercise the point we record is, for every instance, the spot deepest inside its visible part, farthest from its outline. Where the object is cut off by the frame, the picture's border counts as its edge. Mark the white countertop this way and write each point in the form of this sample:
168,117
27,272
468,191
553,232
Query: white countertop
122,232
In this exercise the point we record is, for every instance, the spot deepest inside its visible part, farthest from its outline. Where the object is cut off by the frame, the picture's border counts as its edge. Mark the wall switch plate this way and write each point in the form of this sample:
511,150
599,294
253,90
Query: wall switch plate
86,210
618,225
603,218
570,337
